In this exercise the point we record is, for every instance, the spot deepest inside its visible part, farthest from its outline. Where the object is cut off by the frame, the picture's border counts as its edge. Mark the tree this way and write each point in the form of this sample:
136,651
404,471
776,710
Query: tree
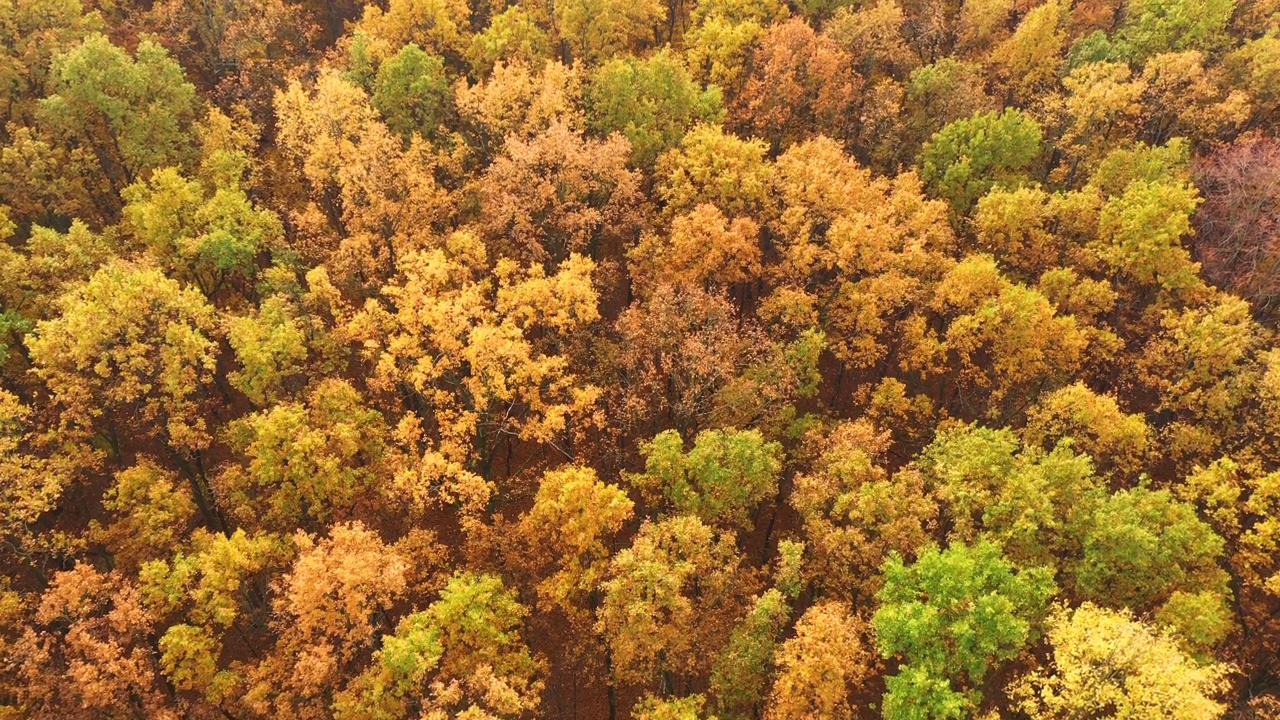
368,199
744,665
711,166
1028,60
131,357
36,469
481,359
33,34
1145,550
682,358
307,463
1155,26
593,31
970,156
665,598
855,514
153,513
271,349
1032,503
704,249
939,94
1104,110
239,51
1241,503
1140,234
817,666
573,516
685,708
521,100
1200,363
651,102
1004,341
1096,426
717,50
1104,661
512,36
463,656
802,84
89,653
1236,225
109,119
559,193
211,237
210,586
721,479
437,26
331,610
412,93
952,616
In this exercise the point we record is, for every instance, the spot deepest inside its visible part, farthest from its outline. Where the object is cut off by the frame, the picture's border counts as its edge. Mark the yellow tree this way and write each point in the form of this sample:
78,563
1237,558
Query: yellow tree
368,199
592,31
820,667
566,531
1105,661
480,357
854,513
131,358
666,600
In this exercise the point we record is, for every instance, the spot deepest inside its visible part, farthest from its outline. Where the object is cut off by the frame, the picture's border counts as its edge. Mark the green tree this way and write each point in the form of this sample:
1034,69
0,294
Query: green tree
1145,550
412,93
127,115
970,156
211,237
742,669
131,356
307,462
464,656
1029,501
651,102
953,616
721,479
1158,26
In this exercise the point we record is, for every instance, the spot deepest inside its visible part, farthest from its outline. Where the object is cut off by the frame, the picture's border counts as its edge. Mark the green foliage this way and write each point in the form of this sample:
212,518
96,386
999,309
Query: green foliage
412,93
130,342
312,460
1140,234
1152,27
1030,502
270,346
209,236
970,156
652,102
721,480
133,112
1142,548
952,616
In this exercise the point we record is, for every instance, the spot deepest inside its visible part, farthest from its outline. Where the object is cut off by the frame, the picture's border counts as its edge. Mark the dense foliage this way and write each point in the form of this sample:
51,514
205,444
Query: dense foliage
736,359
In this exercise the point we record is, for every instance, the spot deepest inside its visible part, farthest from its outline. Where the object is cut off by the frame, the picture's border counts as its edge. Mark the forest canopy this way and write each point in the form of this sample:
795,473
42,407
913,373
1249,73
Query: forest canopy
648,359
